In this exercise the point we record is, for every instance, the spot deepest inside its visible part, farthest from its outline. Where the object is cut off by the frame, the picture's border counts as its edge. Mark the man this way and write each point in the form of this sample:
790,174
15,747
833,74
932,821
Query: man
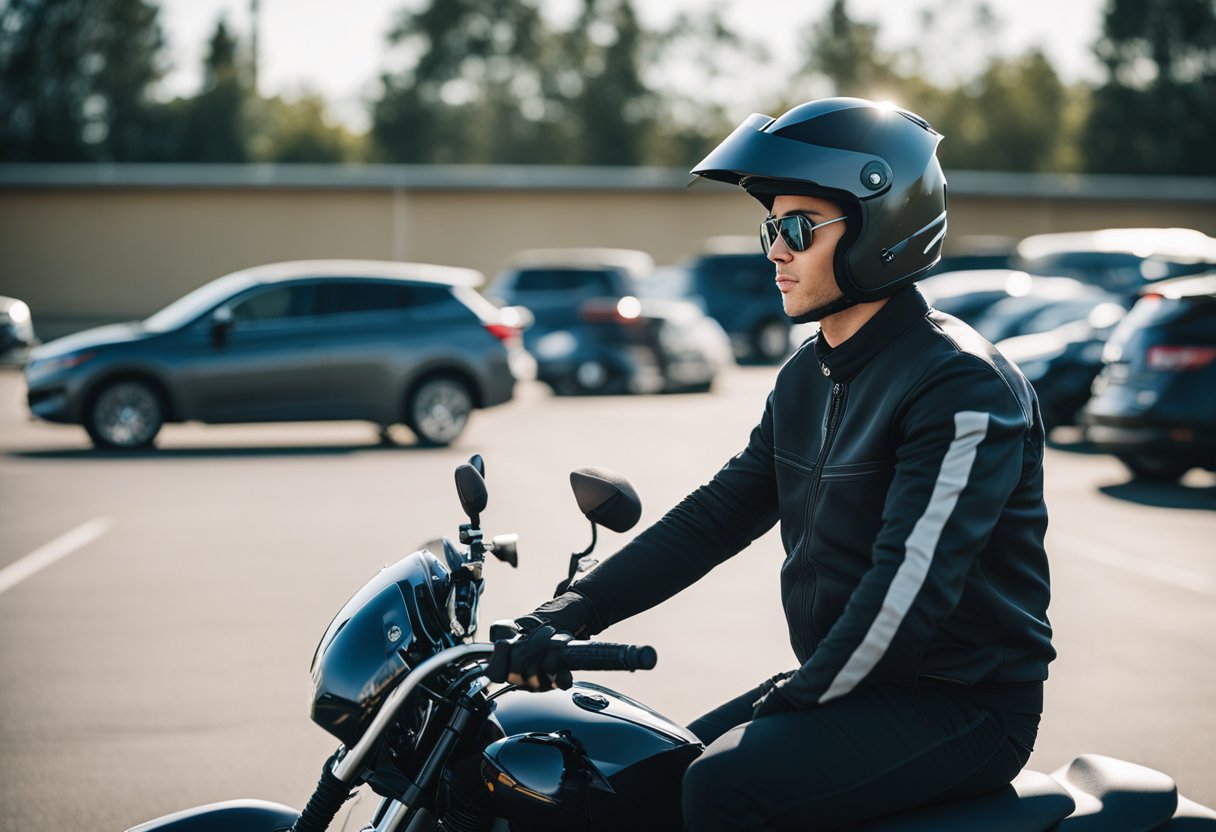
902,455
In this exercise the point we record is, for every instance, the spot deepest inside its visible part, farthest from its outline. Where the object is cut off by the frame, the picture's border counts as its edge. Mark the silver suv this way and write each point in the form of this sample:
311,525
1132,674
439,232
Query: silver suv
379,341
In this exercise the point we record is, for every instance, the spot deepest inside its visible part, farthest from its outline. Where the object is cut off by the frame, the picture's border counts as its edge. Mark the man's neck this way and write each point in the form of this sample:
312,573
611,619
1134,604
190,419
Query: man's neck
838,328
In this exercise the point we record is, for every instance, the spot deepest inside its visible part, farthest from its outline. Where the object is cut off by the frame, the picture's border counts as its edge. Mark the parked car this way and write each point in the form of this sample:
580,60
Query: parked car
1063,362
976,251
970,294
1053,328
596,330
16,330
731,279
299,341
1154,404
1120,260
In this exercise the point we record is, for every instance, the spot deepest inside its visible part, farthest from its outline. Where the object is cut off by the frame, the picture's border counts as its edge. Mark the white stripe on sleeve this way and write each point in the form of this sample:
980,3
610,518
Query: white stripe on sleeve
970,428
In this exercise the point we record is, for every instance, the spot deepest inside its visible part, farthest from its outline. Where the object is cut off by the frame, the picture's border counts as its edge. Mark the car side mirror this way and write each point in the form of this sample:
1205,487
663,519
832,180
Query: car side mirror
222,321
606,498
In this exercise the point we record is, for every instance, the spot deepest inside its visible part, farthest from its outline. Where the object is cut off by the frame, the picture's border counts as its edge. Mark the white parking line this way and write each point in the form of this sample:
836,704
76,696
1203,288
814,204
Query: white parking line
1163,572
57,549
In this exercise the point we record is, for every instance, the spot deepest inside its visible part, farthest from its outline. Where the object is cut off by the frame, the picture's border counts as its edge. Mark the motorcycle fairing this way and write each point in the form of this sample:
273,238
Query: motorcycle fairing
394,622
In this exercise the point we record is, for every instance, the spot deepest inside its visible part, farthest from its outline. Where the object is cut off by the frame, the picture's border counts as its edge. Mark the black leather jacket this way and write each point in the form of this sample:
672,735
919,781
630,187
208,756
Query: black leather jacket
906,469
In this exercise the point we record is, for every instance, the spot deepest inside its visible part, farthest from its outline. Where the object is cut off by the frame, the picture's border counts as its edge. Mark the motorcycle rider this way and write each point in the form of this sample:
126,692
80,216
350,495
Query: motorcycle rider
902,455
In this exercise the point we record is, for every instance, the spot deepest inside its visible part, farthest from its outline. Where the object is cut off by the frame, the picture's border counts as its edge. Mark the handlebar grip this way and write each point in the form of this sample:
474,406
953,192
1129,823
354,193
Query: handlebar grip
604,655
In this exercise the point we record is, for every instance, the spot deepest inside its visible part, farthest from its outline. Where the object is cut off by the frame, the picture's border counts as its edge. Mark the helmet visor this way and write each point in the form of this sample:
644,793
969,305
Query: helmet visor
750,151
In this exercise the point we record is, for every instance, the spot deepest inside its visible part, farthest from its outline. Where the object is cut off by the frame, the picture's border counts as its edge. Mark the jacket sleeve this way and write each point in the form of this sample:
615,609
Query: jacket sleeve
959,438
707,527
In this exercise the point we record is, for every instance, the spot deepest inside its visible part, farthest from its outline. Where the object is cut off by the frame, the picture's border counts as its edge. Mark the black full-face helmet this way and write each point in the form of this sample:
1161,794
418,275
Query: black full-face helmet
876,161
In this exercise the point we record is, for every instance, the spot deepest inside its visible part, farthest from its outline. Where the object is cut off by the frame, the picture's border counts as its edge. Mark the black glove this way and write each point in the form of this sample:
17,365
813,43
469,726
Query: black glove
774,700
534,654
567,613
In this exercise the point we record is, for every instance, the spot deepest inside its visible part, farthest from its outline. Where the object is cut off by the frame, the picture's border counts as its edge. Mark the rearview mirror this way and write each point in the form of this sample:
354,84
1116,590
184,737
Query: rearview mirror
606,498
471,489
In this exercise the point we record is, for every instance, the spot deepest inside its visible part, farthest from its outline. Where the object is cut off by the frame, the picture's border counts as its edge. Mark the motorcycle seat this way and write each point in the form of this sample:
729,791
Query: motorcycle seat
1116,795
1033,802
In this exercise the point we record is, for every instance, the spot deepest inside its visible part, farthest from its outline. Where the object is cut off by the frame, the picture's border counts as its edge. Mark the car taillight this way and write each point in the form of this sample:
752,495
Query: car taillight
627,310
1177,359
502,332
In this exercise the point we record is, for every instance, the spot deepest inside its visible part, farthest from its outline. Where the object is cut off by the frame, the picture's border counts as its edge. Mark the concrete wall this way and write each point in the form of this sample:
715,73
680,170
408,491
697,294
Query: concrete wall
89,245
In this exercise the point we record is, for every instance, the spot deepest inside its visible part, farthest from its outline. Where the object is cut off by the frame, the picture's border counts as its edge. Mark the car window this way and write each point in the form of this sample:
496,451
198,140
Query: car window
738,274
349,297
190,306
278,303
582,281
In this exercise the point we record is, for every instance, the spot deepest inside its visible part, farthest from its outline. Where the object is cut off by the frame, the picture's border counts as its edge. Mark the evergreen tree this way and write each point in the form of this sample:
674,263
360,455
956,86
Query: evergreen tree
75,77
1156,111
215,123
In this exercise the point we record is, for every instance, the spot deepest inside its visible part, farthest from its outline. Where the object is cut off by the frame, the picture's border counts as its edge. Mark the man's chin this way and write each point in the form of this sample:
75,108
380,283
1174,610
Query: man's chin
818,313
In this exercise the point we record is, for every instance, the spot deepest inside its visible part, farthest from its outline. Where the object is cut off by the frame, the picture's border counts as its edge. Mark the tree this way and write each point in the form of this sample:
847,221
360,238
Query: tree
846,52
75,77
299,131
475,89
215,123
1010,118
614,111
1156,111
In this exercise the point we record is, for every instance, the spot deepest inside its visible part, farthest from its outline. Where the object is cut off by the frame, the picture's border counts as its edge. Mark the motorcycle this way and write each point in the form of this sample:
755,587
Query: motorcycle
398,679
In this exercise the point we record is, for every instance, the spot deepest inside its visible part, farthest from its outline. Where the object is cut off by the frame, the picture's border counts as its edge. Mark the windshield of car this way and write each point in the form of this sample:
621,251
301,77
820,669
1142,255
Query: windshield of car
578,281
188,307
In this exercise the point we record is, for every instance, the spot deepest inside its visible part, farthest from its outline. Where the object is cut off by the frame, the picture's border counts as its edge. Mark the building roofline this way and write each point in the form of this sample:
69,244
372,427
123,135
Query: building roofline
553,177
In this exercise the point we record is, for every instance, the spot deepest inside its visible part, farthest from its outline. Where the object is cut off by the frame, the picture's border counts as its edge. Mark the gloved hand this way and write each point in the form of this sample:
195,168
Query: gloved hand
567,613
531,660
774,700
527,659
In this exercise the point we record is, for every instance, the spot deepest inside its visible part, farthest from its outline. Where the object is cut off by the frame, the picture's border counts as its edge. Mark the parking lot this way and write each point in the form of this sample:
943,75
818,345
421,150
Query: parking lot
162,659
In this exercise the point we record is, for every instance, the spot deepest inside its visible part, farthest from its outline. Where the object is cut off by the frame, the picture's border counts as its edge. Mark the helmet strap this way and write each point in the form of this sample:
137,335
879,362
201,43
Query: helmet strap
821,312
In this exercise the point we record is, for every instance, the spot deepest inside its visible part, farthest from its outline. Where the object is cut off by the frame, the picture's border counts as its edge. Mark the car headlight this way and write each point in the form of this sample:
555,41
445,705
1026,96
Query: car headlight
19,313
556,345
46,366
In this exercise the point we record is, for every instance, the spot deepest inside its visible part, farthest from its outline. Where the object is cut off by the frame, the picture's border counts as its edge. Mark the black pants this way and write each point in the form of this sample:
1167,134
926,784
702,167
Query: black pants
880,749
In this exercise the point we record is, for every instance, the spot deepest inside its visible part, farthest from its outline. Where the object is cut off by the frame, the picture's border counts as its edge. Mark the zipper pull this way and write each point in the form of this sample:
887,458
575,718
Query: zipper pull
836,388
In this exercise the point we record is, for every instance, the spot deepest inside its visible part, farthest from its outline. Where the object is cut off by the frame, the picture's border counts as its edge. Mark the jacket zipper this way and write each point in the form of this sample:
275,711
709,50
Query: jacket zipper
833,417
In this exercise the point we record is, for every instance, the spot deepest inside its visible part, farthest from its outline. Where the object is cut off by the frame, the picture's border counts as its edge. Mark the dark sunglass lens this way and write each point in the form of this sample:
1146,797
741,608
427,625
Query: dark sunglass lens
795,234
768,235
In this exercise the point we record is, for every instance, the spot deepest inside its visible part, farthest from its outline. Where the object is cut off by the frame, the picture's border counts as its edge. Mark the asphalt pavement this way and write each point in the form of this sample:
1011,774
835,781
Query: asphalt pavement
155,642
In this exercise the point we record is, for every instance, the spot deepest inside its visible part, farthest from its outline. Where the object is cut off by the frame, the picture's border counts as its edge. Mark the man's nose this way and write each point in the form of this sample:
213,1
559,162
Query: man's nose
779,251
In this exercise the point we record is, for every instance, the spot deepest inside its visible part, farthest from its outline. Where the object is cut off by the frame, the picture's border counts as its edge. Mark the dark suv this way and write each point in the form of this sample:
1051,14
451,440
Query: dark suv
598,327
301,341
1154,404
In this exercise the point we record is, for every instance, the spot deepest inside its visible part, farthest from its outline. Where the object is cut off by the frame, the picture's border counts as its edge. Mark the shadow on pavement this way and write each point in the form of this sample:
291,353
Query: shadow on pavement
154,454
1164,495
1072,440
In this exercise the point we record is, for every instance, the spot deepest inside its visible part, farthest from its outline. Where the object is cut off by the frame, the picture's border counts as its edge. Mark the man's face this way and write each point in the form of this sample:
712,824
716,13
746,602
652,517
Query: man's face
806,278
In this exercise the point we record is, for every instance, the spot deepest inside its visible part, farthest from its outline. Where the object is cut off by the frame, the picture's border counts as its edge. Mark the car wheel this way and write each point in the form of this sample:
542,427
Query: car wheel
438,410
1154,469
771,341
125,414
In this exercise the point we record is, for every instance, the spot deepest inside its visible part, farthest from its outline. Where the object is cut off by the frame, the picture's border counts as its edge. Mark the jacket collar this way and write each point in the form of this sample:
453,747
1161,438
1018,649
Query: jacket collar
844,362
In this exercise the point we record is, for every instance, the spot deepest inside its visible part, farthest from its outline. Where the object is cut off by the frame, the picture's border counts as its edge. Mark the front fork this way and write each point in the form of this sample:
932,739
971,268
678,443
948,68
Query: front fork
413,810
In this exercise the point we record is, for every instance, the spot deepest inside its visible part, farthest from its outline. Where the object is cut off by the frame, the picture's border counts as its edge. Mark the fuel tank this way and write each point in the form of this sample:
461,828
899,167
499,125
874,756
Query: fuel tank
588,757
229,816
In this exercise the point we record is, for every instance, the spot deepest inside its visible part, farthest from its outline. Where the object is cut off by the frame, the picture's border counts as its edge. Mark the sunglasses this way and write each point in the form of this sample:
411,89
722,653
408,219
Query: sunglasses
795,229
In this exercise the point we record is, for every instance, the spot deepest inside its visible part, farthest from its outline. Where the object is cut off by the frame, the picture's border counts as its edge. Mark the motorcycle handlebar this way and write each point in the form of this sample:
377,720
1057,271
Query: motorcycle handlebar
605,655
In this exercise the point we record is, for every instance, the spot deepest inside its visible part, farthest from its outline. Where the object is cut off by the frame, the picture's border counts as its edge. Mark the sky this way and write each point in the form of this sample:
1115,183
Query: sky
339,47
